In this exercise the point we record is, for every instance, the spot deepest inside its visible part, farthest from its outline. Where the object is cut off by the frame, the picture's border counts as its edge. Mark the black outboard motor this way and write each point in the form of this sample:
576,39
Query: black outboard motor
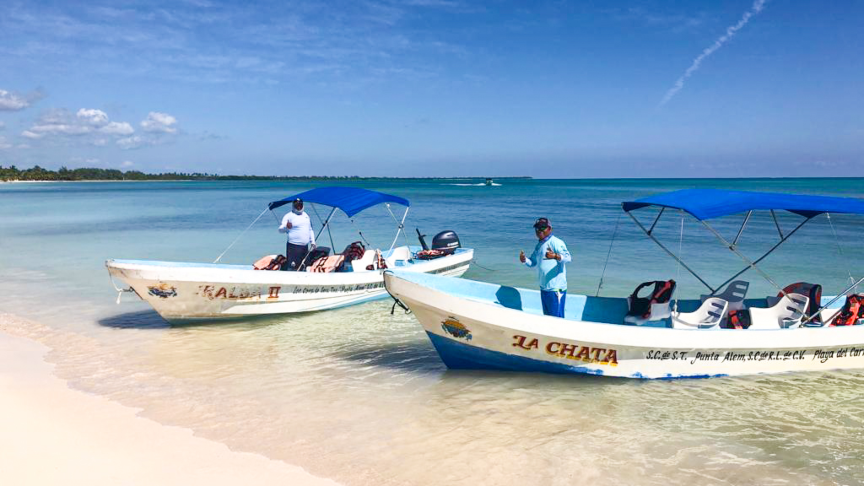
446,241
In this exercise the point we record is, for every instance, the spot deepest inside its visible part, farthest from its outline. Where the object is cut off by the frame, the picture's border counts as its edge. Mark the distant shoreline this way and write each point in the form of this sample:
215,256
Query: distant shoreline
91,174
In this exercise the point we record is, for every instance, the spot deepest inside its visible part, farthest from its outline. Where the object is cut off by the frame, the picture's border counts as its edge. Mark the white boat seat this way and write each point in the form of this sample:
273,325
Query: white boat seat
788,312
734,294
368,258
658,312
708,315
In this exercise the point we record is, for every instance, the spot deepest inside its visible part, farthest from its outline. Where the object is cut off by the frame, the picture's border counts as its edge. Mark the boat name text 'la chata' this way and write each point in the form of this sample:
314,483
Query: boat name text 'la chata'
564,350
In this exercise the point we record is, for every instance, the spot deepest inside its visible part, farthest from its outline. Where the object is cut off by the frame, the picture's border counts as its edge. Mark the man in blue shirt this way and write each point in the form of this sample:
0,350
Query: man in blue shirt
549,257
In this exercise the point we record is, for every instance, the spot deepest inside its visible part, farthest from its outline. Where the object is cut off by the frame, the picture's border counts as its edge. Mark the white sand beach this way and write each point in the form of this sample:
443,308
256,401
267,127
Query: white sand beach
52,434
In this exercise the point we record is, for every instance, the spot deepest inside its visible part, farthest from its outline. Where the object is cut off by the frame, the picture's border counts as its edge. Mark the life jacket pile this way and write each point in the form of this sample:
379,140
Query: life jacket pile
431,254
813,291
852,310
270,262
354,251
661,294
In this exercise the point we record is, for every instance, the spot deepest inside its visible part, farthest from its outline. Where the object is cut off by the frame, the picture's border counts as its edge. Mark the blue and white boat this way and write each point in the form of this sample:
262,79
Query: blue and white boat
475,325
182,291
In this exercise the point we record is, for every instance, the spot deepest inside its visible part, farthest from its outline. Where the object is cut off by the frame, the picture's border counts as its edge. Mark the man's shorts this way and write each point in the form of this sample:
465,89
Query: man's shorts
553,302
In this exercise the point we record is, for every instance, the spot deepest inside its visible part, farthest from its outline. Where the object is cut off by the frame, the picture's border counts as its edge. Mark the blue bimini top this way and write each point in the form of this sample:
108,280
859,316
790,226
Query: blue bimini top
351,200
713,203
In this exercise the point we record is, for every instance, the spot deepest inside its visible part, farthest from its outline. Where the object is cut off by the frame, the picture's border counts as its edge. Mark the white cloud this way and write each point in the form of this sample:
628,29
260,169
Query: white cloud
159,122
93,117
87,121
117,128
4,144
127,163
12,102
32,135
130,142
61,128
730,32
2,126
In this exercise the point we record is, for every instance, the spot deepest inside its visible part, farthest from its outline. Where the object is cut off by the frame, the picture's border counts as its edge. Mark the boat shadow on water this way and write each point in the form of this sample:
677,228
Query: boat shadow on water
150,319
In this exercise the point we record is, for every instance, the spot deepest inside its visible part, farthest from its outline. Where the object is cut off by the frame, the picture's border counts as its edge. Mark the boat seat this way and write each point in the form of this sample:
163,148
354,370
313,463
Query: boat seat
360,264
658,312
734,294
708,315
788,312
326,264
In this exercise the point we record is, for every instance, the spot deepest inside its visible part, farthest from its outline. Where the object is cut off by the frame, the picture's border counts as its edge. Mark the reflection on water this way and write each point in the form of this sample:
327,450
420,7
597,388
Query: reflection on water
360,395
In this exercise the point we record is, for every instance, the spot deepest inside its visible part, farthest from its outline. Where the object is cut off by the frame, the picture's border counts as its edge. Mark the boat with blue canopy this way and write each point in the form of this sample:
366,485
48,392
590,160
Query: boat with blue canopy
184,291
651,334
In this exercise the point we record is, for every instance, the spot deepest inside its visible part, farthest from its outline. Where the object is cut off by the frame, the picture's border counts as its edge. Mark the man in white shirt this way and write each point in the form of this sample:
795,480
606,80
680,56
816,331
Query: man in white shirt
300,235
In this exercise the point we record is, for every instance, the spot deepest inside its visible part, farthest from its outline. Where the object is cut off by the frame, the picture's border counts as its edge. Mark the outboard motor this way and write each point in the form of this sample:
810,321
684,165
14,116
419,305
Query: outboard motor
446,241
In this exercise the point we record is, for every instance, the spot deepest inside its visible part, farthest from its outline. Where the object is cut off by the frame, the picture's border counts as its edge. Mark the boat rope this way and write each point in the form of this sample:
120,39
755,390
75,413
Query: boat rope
396,302
840,249
484,268
608,254
240,236
120,291
678,274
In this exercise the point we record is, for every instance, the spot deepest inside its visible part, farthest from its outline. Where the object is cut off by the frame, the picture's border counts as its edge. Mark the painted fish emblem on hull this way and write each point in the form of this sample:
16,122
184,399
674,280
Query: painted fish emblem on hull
163,291
453,327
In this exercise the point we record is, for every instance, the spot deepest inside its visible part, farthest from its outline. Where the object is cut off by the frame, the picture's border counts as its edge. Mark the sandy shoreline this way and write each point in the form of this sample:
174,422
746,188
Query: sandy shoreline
52,434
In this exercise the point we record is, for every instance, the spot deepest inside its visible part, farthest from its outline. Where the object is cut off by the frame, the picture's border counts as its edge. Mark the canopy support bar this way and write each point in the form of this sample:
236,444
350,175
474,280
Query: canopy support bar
746,218
647,232
650,231
401,224
777,224
746,260
756,262
835,299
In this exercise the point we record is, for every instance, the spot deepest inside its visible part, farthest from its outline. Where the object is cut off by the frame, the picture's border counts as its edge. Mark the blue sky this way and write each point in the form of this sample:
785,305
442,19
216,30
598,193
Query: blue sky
436,87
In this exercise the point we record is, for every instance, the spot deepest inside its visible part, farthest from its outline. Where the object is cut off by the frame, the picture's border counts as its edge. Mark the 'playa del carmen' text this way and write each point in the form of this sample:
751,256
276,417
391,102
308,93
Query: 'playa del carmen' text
694,357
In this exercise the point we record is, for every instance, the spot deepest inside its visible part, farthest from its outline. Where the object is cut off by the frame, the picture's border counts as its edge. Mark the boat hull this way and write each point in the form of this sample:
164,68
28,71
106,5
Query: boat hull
471,331
182,292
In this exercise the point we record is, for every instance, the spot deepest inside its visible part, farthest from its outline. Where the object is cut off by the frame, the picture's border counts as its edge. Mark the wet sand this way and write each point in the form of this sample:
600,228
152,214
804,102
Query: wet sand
52,434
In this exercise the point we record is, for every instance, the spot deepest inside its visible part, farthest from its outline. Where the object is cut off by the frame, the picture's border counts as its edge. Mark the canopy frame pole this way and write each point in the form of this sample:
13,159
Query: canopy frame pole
740,231
835,299
608,254
240,236
401,224
656,220
741,256
777,223
655,240
327,225
840,248
324,225
771,250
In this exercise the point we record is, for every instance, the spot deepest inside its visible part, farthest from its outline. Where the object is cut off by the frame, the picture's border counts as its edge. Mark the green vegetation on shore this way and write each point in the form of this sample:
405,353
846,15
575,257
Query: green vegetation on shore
37,173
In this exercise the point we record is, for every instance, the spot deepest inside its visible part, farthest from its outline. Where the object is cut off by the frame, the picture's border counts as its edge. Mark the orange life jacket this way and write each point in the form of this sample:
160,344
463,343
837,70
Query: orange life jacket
852,310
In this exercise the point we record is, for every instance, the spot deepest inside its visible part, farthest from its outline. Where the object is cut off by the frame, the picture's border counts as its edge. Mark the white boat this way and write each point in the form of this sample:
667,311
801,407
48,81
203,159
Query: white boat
181,291
476,325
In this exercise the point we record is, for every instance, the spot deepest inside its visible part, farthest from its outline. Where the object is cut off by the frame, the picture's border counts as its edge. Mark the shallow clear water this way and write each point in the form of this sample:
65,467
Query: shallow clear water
359,395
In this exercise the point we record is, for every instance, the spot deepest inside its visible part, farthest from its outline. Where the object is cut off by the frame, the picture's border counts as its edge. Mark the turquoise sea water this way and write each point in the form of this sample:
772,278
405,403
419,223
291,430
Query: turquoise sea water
359,395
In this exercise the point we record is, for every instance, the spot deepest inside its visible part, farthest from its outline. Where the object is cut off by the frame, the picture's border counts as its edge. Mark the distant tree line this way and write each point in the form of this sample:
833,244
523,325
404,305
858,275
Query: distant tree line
37,173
